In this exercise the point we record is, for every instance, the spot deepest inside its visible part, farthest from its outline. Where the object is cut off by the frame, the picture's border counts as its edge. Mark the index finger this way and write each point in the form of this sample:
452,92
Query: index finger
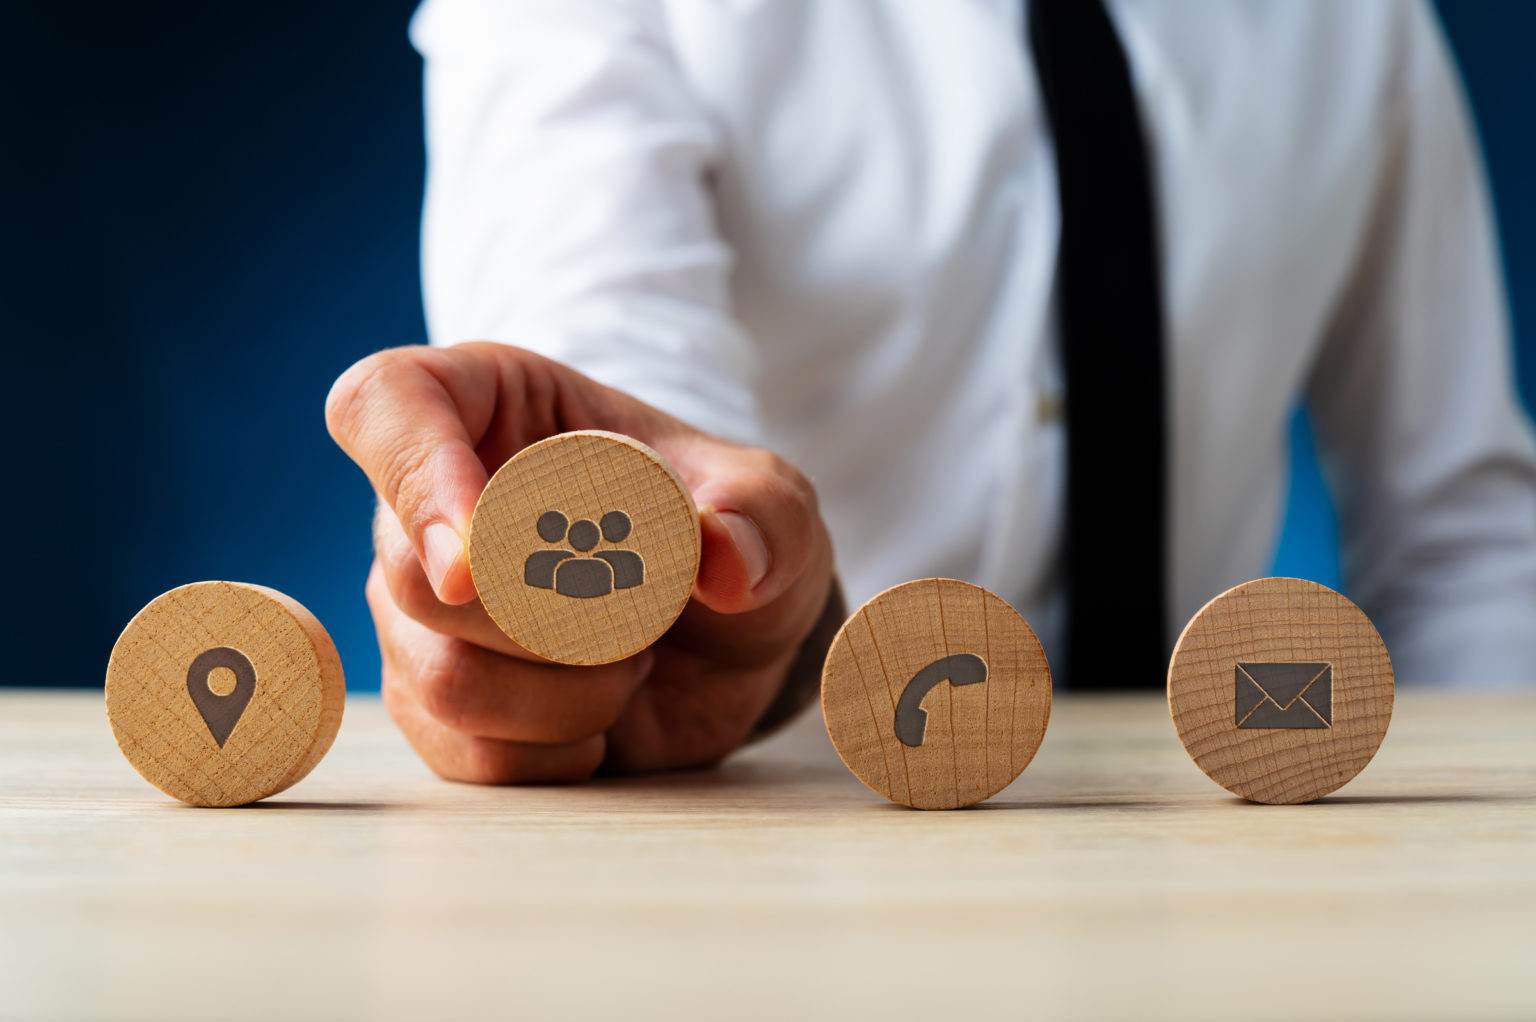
410,418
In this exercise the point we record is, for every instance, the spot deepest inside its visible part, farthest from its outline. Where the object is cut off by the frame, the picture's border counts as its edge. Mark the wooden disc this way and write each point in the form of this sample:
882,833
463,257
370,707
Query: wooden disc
585,547
1280,690
936,694
222,693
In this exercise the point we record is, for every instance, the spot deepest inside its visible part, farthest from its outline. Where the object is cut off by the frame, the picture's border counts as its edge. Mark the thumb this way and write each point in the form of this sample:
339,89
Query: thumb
758,525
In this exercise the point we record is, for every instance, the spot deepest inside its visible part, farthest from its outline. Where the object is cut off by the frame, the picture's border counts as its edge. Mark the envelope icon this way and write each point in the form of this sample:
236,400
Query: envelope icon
1296,695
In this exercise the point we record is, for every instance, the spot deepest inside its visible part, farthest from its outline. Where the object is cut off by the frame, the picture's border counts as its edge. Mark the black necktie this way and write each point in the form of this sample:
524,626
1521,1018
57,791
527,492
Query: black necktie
1111,321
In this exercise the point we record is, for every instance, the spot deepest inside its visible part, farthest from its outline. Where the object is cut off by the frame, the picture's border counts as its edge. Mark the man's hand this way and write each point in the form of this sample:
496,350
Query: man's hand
428,426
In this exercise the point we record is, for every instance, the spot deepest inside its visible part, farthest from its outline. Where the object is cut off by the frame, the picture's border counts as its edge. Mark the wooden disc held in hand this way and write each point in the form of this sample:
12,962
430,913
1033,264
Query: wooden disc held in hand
223,693
936,694
585,547
1280,690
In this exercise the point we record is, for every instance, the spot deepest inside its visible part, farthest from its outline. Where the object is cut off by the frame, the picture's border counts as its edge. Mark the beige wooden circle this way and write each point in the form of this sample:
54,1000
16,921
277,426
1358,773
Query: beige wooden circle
977,737
1263,730
288,724
600,602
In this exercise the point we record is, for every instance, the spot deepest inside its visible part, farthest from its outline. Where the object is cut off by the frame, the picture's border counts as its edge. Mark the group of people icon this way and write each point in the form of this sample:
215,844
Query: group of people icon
570,574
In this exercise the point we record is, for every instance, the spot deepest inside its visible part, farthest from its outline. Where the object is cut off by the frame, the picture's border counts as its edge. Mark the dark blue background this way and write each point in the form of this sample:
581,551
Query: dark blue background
212,210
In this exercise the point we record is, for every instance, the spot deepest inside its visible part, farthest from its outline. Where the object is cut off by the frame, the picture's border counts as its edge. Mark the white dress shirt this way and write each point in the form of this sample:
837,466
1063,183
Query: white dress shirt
830,227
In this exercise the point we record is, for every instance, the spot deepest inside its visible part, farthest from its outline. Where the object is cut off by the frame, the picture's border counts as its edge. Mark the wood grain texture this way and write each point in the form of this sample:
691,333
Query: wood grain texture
582,477
977,737
1280,621
1112,880
288,725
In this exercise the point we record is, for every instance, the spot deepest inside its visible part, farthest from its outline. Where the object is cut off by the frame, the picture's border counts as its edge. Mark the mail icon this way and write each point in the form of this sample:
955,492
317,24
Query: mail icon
1298,695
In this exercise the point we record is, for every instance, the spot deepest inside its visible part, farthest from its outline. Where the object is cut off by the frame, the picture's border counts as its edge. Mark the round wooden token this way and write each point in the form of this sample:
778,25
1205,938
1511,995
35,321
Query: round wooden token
1280,690
585,547
936,694
223,693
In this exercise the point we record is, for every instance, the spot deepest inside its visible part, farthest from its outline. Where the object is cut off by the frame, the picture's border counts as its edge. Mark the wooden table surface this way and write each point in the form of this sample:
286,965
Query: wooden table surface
1111,880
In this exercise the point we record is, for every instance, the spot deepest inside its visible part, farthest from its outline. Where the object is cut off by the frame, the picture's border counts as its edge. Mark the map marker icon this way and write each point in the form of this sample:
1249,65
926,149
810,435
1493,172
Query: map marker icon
221,713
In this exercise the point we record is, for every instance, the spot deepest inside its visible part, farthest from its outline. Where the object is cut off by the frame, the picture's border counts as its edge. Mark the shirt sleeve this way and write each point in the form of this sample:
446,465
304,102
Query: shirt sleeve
1427,450
567,207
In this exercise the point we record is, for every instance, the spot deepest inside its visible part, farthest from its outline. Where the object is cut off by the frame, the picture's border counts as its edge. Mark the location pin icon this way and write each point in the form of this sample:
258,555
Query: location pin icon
221,713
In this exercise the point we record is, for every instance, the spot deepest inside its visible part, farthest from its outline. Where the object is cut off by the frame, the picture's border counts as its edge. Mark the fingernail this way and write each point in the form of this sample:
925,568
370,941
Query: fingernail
749,543
444,548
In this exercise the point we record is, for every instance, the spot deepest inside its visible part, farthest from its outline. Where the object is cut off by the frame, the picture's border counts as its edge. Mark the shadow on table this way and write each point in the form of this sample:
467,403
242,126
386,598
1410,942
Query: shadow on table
1048,805
1429,798
1180,805
322,807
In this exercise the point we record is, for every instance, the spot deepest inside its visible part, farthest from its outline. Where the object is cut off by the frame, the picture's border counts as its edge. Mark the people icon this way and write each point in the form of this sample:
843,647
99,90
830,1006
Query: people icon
568,573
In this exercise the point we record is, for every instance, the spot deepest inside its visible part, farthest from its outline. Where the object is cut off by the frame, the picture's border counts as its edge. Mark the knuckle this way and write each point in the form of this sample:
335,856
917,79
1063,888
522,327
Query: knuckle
410,590
391,548
342,401
597,700
604,696
714,750
396,585
800,500
489,762
724,725
359,417
581,723
375,589
389,693
705,747
799,488
785,482
443,688
405,477
350,393
725,736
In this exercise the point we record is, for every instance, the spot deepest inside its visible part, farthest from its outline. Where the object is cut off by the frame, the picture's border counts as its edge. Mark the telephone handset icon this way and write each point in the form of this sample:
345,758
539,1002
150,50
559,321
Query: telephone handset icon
959,669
